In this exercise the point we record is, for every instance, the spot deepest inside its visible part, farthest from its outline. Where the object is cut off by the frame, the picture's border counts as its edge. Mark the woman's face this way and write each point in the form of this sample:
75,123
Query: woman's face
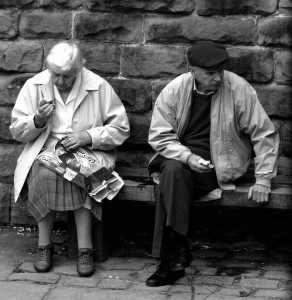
63,80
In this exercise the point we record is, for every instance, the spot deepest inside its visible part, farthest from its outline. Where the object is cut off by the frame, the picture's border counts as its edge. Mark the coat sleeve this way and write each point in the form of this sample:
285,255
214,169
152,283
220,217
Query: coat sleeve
22,125
163,136
115,129
255,122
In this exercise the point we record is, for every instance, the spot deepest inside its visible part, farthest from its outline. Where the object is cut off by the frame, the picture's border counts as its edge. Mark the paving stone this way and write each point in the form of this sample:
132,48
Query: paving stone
217,7
8,24
143,287
22,291
128,266
209,254
114,284
235,291
62,266
27,266
274,31
251,274
213,280
198,262
108,27
207,271
116,274
260,283
181,297
273,294
240,264
177,288
48,278
74,4
204,289
45,24
73,281
174,6
284,275
277,267
250,256
17,3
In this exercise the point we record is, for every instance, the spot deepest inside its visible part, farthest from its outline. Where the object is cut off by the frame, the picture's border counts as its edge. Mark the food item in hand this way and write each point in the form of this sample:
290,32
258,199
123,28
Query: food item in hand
43,101
206,163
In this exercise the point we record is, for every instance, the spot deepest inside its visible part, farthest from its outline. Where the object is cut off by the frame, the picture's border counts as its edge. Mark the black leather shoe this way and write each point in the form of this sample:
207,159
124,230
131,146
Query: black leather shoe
85,265
183,260
43,262
163,276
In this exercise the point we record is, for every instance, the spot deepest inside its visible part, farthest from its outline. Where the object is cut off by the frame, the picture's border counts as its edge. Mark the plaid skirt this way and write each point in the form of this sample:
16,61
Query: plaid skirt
49,191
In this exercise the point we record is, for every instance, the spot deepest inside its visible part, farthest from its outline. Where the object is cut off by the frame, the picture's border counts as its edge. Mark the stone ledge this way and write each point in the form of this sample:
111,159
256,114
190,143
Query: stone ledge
144,192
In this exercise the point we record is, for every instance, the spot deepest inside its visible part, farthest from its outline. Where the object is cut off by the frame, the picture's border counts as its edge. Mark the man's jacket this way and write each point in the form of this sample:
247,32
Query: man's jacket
238,124
98,110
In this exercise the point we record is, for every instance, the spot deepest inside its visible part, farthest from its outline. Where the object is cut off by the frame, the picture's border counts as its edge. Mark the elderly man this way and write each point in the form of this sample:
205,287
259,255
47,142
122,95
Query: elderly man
70,103
203,125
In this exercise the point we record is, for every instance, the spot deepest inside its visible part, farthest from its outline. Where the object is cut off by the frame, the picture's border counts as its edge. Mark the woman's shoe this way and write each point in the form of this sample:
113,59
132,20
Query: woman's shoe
85,265
43,262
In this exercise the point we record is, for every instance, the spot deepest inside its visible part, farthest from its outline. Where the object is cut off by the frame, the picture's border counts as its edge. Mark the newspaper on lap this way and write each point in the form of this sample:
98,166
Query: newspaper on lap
82,167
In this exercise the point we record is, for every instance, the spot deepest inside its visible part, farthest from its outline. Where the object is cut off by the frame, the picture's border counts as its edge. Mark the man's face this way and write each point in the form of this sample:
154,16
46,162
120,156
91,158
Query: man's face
208,80
63,80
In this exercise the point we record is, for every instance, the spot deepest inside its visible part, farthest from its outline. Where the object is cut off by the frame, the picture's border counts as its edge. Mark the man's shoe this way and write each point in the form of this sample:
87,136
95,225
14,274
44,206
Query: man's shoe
43,263
85,265
163,276
183,260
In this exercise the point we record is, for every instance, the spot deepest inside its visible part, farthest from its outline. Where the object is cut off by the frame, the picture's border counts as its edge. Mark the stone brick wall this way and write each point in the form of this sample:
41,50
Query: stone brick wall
139,46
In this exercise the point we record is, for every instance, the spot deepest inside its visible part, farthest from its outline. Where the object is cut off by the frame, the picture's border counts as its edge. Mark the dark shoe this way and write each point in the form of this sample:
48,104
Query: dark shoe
163,276
182,261
43,263
85,265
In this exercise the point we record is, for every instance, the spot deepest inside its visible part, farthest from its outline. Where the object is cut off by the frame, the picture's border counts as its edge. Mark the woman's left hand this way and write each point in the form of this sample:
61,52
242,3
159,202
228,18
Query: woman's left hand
76,139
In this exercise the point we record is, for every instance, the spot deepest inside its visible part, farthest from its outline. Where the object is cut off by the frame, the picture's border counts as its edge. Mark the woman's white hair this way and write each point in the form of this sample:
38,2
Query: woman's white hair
66,56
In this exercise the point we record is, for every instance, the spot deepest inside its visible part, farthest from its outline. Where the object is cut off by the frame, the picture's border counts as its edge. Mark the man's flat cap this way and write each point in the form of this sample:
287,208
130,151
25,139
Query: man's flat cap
207,55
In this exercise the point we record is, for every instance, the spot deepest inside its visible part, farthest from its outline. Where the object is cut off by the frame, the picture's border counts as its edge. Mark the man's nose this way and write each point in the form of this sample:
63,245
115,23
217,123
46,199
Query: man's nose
60,80
217,77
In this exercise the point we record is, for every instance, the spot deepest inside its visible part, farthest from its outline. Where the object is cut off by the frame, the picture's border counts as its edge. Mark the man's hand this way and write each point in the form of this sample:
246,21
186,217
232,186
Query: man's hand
194,164
259,193
45,112
76,139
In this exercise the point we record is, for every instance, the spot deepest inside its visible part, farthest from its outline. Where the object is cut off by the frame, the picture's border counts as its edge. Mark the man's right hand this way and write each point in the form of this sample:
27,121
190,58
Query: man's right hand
194,164
45,112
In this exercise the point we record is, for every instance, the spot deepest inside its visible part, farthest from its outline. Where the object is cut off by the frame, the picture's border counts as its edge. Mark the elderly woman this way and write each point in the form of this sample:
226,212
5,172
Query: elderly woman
66,101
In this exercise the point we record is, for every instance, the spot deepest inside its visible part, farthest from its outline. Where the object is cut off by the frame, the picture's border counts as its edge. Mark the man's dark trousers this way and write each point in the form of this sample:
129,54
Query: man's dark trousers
179,186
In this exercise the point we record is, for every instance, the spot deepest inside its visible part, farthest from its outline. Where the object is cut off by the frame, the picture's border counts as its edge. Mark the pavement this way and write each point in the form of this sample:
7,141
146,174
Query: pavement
239,270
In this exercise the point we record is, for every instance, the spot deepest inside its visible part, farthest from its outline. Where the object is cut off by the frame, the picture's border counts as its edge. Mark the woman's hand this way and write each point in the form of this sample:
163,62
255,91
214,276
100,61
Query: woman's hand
44,113
76,139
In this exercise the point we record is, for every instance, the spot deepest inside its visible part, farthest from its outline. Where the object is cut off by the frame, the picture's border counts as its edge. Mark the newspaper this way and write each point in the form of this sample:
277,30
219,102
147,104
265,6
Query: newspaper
82,167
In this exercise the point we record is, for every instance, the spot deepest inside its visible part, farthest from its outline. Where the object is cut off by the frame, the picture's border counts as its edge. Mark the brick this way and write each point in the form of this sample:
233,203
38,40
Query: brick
285,4
285,137
60,4
134,159
284,170
153,61
102,58
283,73
15,290
10,87
4,203
231,7
156,88
274,31
276,99
17,3
108,27
44,24
8,24
259,283
253,64
135,94
172,6
114,284
5,120
20,214
21,56
139,129
270,294
184,29
9,155
49,278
